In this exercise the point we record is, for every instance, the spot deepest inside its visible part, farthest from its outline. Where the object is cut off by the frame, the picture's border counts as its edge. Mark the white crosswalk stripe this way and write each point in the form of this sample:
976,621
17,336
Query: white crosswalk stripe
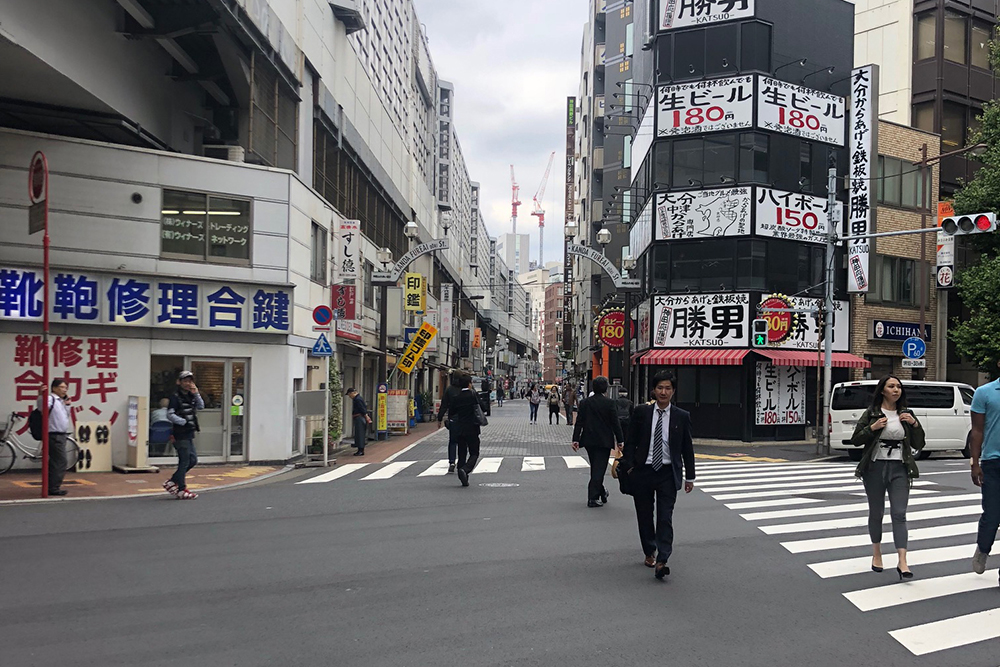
809,499
576,462
487,465
530,463
389,470
438,468
336,473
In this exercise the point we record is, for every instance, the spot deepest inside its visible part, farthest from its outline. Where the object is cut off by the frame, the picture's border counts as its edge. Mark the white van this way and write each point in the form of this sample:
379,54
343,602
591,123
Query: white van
941,407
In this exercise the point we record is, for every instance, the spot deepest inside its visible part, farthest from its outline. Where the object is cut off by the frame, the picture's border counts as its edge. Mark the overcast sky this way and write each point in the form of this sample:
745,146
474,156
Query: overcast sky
513,64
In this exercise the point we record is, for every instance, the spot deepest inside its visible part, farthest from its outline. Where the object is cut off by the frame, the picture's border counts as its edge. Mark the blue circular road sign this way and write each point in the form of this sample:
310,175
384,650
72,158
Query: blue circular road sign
914,348
322,315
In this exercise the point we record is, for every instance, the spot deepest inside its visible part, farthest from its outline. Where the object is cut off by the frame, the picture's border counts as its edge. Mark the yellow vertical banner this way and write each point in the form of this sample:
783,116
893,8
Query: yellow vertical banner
415,293
416,348
477,338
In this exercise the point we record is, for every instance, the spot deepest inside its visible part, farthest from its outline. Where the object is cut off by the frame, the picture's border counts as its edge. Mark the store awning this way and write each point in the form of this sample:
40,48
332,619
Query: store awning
693,357
806,358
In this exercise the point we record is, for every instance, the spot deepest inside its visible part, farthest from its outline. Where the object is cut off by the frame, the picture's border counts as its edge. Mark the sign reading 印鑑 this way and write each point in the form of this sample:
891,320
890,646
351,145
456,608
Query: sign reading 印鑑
684,13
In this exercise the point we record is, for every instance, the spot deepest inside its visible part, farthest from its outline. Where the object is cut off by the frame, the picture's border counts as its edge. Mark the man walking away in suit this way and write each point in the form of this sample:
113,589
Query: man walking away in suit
361,417
624,408
660,439
597,430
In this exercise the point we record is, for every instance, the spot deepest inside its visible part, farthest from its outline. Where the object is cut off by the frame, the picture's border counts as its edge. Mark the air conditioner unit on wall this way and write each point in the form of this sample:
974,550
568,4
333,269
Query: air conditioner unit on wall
229,153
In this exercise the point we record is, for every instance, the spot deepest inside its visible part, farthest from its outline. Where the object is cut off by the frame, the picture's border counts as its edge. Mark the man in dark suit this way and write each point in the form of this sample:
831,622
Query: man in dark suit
361,417
659,440
598,431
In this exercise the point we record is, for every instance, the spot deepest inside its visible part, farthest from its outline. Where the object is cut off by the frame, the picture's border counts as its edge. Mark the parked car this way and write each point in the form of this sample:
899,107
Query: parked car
941,407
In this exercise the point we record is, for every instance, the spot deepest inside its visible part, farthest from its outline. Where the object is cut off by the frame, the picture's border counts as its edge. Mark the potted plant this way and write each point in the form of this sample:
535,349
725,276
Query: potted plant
427,405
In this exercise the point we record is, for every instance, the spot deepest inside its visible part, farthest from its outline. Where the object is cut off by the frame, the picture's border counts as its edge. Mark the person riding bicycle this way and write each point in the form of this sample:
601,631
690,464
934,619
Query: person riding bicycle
60,425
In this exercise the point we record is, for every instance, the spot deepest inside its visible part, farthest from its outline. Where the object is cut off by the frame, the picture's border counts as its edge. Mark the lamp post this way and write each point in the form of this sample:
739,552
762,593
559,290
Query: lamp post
628,265
384,257
570,232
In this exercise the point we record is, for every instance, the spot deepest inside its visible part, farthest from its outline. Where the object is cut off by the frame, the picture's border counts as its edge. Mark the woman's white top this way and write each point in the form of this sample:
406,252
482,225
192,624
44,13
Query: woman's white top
893,431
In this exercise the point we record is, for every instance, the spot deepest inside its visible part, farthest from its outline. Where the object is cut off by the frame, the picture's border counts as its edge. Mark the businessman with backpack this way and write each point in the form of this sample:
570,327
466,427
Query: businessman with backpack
60,425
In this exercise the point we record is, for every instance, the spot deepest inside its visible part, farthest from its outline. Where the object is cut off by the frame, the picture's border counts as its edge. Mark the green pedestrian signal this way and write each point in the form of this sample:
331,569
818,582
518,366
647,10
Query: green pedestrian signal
759,332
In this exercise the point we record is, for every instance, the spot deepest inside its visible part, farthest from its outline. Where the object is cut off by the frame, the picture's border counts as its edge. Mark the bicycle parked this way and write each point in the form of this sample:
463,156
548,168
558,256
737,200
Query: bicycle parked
10,447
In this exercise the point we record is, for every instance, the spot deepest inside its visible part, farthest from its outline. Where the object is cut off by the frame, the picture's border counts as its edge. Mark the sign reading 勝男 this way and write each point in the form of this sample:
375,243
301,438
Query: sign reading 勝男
863,143
684,13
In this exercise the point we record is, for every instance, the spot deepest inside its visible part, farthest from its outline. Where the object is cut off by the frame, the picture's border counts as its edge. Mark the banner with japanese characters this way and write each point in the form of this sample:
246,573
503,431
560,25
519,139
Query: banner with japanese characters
142,301
701,320
794,216
781,395
802,331
703,214
684,13
344,302
447,312
864,149
415,294
705,106
348,250
802,112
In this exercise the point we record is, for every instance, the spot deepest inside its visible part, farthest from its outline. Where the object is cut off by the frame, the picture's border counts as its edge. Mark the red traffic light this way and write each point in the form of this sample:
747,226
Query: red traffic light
977,223
983,223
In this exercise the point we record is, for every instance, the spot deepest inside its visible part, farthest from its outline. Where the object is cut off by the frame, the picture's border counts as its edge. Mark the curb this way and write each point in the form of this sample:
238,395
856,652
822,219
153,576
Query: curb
65,499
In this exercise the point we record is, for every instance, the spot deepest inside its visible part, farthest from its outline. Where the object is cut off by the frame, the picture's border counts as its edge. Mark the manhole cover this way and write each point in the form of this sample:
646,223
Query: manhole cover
499,485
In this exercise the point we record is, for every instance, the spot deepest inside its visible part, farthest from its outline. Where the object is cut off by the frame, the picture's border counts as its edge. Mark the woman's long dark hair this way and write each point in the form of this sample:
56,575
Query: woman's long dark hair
877,396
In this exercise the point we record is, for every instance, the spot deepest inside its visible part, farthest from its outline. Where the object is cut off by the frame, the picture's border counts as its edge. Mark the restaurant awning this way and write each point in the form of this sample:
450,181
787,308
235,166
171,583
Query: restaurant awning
693,357
807,358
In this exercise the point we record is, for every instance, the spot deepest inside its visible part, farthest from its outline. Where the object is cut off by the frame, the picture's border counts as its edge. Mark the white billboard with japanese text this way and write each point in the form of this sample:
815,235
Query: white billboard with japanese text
703,213
794,216
802,112
701,320
781,395
863,149
684,13
705,106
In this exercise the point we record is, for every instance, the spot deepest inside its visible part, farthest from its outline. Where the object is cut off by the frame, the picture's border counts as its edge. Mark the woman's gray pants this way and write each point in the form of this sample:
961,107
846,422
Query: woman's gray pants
882,476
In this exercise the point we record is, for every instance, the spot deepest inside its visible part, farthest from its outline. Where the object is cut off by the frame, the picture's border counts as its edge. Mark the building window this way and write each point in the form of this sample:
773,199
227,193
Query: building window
893,281
881,366
981,35
923,116
924,38
626,152
369,287
205,227
318,255
755,47
629,40
273,116
953,122
955,41
753,158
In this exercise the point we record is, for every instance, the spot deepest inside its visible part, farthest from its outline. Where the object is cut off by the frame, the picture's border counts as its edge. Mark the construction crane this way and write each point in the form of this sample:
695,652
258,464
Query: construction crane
515,190
539,212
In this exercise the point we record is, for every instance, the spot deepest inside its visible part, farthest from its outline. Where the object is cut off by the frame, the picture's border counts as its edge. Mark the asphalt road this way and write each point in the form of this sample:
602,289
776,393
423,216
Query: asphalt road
514,570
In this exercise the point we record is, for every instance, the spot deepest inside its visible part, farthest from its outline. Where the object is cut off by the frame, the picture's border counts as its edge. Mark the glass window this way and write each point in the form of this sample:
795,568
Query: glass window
627,91
182,226
753,158
755,47
317,260
705,266
629,40
953,125
751,262
199,226
923,116
782,267
720,159
627,152
911,177
369,288
229,227
661,268
923,396
805,164
689,54
852,398
981,33
892,167
661,173
955,37
967,394
924,38
688,163
664,49
723,55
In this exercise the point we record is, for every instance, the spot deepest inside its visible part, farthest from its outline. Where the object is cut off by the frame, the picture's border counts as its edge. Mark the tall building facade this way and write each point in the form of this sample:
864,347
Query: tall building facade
514,250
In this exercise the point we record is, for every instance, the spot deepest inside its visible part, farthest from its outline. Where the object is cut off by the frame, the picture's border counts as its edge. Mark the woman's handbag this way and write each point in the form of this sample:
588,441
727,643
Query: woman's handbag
480,417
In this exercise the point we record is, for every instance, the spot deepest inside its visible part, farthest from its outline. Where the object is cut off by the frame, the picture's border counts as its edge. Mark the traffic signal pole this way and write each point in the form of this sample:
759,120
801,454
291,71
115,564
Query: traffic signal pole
831,246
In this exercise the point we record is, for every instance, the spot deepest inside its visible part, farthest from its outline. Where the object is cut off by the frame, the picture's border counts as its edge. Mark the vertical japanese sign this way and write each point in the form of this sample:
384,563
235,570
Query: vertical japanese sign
382,408
569,218
705,106
349,250
945,264
684,13
703,214
781,395
864,148
416,348
802,112
447,314
701,320
344,302
415,295
477,338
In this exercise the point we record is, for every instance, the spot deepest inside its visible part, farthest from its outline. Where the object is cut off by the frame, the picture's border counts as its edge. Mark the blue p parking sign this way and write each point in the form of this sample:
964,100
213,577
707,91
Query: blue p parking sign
914,348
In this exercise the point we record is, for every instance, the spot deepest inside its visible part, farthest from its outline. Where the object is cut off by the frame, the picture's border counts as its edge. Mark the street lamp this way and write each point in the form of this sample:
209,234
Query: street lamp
411,230
384,256
571,230
604,237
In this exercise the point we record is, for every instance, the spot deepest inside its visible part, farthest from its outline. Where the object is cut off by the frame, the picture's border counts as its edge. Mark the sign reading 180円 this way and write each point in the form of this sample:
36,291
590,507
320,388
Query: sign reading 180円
802,112
683,13
705,106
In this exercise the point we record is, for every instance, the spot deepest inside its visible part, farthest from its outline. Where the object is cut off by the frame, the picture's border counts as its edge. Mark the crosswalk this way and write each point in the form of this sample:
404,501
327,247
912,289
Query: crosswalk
487,465
809,508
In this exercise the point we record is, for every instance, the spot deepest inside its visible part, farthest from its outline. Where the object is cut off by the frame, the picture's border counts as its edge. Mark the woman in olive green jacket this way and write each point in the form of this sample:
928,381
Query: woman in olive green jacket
890,434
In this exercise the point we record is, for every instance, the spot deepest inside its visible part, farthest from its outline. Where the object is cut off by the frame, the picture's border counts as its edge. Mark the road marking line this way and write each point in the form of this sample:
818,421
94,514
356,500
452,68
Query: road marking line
776,482
847,566
336,473
573,462
438,468
789,484
781,473
950,633
753,504
748,459
859,521
946,472
531,463
488,465
389,470
828,543
798,492
882,597
853,507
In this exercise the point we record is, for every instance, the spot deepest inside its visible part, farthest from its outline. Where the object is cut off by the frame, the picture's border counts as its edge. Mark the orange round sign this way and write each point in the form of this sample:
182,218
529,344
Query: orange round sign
611,329
780,326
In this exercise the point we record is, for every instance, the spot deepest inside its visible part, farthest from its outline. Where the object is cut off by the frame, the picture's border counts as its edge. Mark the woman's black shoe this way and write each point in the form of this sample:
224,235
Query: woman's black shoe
904,575
463,476
876,568
595,503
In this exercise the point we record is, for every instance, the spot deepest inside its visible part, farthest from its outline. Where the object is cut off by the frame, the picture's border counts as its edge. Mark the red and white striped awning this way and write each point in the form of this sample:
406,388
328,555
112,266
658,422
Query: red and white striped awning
693,357
806,358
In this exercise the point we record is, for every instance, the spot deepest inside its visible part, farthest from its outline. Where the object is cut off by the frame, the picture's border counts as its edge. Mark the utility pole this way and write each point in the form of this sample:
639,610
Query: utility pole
831,246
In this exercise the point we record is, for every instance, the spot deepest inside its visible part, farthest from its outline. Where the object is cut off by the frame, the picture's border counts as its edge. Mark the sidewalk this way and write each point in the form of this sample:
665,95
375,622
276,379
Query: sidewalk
377,451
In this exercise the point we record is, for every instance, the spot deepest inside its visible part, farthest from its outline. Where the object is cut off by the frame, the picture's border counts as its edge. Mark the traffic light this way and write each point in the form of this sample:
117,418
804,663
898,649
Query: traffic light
760,333
976,223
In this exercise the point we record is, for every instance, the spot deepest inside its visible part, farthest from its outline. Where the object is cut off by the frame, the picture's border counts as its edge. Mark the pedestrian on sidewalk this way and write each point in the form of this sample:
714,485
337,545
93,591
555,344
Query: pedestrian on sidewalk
554,405
450,393
985,446
500,394
659,442
183,414
534,400
60,425
569,401
362,418
464,425
597,430
890,434
624,409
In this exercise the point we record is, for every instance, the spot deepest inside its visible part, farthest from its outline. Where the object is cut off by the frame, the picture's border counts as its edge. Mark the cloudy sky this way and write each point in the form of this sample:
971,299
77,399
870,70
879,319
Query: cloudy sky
513,65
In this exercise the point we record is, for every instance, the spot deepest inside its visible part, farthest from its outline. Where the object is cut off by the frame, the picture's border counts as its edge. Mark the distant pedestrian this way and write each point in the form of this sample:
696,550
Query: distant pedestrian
464,425
624,408
569,401
554,405
890,435
60,425
597,430
659,442
500,395
183,414
362,418
449,395
534,400
985,446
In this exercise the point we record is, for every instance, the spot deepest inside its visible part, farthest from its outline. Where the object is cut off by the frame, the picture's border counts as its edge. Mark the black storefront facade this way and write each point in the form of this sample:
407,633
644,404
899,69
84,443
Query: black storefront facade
747,106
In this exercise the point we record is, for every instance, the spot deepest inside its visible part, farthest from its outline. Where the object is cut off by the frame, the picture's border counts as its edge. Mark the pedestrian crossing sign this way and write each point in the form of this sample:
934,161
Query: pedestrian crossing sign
322,347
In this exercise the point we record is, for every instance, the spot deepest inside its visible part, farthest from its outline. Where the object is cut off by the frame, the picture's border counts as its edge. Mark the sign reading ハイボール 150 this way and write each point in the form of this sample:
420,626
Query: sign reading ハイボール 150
683,13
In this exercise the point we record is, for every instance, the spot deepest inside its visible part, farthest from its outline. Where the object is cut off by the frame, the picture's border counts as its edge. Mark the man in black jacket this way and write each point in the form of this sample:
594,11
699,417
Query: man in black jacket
361,417
183,414
659,441
450,393
598,431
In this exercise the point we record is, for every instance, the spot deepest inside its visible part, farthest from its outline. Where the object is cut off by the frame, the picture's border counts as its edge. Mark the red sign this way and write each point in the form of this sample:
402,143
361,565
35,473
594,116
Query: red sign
611,329
37,179
344,301
779,325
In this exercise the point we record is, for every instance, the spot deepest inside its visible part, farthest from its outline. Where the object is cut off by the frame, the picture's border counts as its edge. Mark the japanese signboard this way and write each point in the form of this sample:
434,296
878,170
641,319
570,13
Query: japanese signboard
91,298
802,112
781,395
795,216
350,329
642,316
348,250
610,328
705,106
447,314
703,214
477,338
398,402
701,320
863,149
382,409
801,331
344,302
416,348
415,295
945,264
683,13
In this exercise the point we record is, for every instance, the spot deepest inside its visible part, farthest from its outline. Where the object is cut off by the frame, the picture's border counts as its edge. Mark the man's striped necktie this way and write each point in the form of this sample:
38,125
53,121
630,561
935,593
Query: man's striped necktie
658,441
